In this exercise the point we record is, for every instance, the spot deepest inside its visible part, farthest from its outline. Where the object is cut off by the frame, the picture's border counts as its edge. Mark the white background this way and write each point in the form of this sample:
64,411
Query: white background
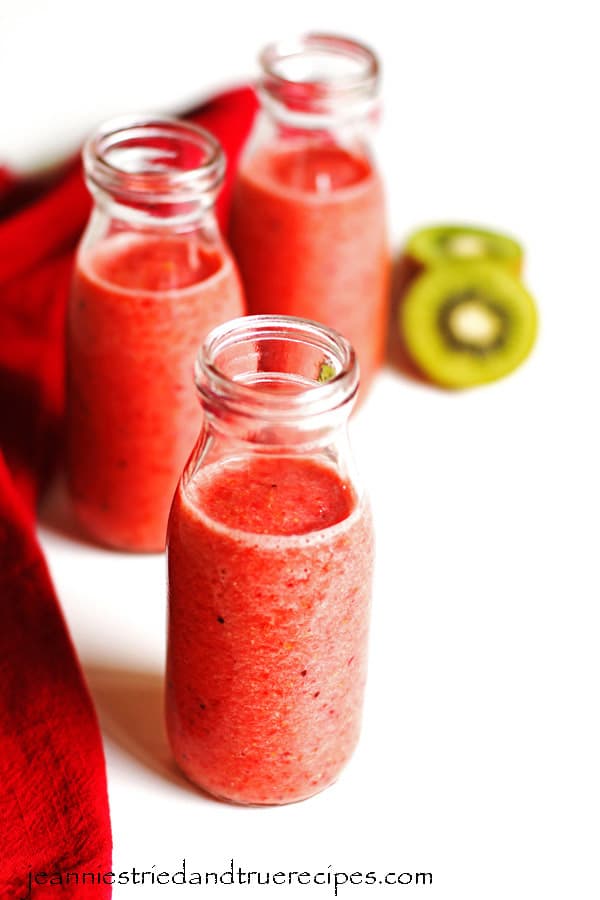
480,754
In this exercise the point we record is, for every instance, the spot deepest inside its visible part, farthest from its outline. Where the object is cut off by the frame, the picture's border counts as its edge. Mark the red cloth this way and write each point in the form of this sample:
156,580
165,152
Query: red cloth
53,802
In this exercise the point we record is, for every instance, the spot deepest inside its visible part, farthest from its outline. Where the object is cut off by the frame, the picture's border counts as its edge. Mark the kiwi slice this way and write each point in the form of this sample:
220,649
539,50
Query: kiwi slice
467,323
445,243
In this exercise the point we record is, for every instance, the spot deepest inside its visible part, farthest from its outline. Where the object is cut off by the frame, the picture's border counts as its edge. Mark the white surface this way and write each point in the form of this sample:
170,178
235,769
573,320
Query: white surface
479,758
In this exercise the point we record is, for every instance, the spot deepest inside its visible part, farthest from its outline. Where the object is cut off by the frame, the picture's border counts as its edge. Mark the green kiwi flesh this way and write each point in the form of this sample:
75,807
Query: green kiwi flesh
445,243
467,323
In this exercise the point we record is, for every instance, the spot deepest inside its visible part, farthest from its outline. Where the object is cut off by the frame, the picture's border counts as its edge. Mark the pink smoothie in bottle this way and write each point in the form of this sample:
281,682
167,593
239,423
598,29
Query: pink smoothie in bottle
269,571
270,555
308,222
152,277
139,308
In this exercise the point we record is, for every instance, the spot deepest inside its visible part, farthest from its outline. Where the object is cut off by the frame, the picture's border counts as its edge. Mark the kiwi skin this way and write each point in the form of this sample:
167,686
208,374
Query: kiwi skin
432,246
433,292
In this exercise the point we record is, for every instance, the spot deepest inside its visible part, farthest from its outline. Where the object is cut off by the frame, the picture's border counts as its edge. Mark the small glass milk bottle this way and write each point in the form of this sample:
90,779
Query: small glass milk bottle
152,277
308,220
270,554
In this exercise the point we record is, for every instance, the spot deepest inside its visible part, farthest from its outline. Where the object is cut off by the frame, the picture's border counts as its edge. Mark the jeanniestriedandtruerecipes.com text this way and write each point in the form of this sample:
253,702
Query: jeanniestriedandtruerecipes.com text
233,875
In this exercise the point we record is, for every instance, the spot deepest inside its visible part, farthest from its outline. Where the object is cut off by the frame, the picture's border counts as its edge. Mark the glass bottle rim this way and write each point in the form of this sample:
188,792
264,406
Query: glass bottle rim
346,76
194,166
321,396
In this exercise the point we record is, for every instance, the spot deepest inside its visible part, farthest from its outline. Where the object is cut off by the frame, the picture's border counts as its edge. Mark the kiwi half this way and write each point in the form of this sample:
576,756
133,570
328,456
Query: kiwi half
446,243
467,323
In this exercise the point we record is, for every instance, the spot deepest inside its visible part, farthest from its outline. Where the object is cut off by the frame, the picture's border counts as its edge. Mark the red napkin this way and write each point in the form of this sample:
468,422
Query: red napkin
53,803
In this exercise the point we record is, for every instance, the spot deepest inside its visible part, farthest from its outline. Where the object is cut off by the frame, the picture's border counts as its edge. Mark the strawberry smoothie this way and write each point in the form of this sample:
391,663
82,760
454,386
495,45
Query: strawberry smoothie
140,306
308,231
270,563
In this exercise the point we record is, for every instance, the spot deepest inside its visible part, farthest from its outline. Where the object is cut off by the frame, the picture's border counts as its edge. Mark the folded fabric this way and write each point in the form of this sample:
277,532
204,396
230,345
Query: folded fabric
53,803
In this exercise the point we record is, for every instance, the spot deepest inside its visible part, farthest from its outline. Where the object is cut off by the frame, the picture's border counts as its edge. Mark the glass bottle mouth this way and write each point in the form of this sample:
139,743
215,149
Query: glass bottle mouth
156,160
320,74
277,369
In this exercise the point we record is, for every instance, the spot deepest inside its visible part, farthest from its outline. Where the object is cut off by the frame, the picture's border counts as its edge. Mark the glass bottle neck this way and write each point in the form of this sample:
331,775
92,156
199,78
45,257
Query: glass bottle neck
279,383
154,172
183,216
319,83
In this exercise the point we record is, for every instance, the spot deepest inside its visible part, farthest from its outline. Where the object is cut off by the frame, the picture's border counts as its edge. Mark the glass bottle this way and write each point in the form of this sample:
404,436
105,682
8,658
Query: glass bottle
270,553
308,224
152,277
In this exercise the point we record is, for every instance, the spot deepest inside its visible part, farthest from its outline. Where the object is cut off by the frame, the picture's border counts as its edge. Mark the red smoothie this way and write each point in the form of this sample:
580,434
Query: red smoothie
270,564
308,230
139,309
